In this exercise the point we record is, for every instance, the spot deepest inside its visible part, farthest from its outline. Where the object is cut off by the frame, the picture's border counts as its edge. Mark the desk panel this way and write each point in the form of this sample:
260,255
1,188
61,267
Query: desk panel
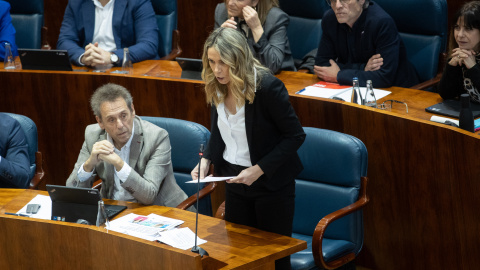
423,175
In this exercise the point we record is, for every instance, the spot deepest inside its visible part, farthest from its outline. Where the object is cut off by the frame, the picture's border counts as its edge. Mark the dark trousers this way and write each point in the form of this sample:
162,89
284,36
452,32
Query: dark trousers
257,207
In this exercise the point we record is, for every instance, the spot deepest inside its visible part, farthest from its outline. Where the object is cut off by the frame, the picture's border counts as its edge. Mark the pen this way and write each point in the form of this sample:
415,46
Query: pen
300,91
15,214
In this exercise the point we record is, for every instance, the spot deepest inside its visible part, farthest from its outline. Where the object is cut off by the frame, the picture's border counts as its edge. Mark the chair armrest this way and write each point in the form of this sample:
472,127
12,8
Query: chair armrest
45,45
327,220
39,173
427,84
221,211
201,194
176,50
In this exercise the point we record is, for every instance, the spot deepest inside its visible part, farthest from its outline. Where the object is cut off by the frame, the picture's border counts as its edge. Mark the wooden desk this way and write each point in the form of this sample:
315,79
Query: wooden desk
423,175
61,245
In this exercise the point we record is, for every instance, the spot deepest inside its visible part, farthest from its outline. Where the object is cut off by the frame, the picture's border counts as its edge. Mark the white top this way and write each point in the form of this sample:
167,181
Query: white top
233,132
119,193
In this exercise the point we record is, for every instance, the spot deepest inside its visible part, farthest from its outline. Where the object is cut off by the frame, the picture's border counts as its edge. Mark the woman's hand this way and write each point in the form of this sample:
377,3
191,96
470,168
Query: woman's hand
463,57
203,169
230,23
247,176
251,18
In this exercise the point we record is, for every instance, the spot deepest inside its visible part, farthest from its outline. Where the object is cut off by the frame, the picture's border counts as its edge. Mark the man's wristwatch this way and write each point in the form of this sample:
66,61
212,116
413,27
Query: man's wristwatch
114,58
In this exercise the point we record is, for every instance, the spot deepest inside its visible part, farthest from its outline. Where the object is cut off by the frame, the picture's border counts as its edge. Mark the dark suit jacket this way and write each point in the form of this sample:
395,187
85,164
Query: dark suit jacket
134,26
15,163
274,135
351,48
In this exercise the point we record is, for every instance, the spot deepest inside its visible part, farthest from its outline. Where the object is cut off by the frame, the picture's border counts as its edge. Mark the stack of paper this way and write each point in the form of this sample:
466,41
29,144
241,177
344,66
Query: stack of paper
334,90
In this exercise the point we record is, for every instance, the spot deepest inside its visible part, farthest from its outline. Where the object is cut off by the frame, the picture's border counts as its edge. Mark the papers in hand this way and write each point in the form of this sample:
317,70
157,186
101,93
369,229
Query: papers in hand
211,179
334,90
156,228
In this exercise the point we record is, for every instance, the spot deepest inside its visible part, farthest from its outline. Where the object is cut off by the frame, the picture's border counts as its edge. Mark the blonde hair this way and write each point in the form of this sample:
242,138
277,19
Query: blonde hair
263,7
242,66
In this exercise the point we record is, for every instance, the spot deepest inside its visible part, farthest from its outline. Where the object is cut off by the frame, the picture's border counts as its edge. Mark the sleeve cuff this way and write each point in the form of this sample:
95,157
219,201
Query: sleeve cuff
124,172
82,175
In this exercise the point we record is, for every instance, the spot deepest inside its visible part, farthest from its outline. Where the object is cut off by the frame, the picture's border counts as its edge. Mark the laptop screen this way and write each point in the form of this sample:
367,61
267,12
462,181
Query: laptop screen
36,59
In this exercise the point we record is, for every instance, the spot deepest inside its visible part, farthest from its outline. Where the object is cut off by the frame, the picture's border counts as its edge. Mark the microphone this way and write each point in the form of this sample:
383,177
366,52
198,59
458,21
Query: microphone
196,248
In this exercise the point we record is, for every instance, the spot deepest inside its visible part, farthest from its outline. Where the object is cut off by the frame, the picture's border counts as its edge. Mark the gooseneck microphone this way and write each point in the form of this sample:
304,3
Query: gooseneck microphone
196,248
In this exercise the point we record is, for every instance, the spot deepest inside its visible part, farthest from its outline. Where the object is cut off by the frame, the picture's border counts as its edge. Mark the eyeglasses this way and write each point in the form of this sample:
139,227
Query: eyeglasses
396,101
333,2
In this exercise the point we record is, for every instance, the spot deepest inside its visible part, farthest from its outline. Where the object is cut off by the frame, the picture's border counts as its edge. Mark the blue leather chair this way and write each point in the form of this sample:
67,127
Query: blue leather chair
166,14
304,30
185,139
27,18
330,192
423,29
30,130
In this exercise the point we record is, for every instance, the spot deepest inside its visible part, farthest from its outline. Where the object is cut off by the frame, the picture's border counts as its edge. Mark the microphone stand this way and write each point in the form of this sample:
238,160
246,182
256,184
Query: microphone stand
196,248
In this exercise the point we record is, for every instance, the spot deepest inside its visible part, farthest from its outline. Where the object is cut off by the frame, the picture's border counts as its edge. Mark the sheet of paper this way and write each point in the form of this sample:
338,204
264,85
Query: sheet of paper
323,92
211,179
45,211
145,227
347,95
182,238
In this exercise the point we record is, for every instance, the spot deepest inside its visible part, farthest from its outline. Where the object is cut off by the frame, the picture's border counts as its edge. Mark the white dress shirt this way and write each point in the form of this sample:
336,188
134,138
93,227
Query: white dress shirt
119,193
233,132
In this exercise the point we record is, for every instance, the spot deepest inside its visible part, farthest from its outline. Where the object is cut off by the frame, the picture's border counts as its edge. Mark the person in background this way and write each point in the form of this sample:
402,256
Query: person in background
361,40
7,31
131,156
255,136
14,158
95,32
264,25
462,71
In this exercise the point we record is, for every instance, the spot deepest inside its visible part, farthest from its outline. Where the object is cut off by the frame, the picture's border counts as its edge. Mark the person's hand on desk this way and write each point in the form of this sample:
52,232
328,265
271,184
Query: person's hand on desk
247,176
374,63
203,170
95,56
328,74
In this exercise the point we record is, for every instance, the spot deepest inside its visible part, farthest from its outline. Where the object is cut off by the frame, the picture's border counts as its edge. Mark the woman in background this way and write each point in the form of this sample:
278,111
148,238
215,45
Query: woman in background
462,72
255,136
264,25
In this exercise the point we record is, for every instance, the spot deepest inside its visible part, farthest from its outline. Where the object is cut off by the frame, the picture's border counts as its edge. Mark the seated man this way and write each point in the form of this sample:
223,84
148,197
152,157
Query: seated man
361,40
14,159
129,155
94,32
7,32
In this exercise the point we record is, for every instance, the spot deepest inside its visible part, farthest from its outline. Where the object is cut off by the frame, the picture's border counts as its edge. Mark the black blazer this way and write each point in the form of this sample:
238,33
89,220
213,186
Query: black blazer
274,135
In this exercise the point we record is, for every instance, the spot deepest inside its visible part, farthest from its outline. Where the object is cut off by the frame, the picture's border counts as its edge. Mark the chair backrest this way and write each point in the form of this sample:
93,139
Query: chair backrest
27,18
422,25
185,139
30,130
333,164
304,30
166,14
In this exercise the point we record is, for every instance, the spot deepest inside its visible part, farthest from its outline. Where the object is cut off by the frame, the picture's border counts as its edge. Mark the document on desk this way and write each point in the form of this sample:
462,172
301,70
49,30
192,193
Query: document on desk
211,179
156,228
45,210
324,90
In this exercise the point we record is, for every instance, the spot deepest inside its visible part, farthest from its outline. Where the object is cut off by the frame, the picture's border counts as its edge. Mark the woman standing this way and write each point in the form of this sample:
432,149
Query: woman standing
462,72
264,25
255,136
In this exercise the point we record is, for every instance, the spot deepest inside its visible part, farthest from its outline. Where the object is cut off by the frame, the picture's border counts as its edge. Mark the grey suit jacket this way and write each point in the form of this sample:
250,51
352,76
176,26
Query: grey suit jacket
273,48
151,180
